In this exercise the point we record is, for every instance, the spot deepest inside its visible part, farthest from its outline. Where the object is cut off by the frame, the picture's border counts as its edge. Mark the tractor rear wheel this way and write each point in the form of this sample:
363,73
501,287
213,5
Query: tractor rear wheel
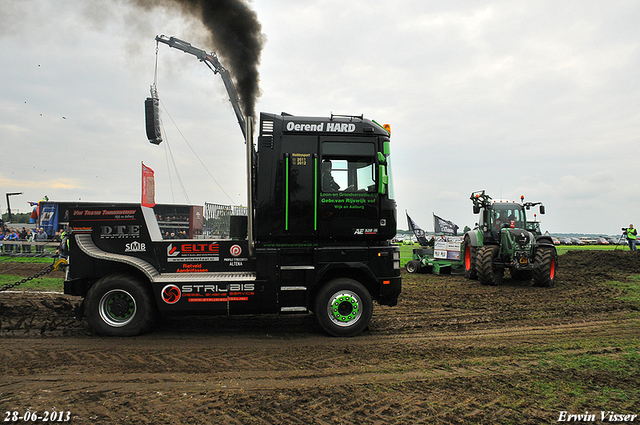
487,273
547,261
470,258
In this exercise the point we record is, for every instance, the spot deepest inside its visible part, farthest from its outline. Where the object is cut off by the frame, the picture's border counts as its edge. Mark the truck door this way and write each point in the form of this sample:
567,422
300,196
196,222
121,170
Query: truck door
348,195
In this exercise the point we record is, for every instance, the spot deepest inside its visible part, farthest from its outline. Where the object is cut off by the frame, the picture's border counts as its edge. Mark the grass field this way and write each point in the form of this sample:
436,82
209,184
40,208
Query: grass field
406,251
55,284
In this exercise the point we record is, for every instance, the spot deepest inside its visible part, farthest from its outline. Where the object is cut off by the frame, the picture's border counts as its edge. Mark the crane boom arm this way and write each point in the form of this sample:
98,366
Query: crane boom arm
211,60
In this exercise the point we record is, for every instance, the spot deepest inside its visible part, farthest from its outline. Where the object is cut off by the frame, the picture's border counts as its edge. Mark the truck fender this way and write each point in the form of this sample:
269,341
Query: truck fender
355,270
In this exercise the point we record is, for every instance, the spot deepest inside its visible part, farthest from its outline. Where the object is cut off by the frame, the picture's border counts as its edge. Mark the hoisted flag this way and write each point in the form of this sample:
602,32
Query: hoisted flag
420,235
440,225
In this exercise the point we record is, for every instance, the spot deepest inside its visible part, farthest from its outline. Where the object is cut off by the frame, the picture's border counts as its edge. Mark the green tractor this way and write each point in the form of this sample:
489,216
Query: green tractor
503,239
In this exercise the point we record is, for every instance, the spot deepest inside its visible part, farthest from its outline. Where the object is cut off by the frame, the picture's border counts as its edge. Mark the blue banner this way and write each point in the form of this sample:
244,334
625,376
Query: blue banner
49,218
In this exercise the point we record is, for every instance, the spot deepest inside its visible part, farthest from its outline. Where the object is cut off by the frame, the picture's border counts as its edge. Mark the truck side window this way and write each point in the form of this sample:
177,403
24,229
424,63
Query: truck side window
328,181
348,175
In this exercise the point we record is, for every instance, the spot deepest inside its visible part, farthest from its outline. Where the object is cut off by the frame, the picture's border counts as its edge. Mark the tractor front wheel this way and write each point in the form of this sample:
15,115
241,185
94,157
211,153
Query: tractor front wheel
546,260
470,258
487,273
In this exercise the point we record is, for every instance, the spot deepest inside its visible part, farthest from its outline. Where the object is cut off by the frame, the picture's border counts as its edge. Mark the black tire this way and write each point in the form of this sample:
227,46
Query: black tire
487,273
470,257
120,305
343,307
412,266
546,261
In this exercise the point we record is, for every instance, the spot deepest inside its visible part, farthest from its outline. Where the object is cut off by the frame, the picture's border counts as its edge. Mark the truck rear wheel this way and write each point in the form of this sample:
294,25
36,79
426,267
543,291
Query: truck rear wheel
119,305
487,273
343,307
412,266
470,258
547,261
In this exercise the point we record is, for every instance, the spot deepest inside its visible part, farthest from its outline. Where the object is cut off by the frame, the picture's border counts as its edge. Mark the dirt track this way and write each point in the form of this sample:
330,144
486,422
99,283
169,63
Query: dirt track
452,351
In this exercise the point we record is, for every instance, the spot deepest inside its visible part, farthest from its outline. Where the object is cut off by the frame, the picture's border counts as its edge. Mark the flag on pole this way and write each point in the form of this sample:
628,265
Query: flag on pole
148,187
420,235
440,225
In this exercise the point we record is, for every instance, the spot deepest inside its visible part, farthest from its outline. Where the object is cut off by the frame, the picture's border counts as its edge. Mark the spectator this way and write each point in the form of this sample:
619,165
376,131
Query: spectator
41,236
13,237
63,248
24,237
632,234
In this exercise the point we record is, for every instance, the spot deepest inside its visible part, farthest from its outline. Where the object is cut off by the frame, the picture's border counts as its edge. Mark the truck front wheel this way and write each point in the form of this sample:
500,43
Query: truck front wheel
119,305
343,307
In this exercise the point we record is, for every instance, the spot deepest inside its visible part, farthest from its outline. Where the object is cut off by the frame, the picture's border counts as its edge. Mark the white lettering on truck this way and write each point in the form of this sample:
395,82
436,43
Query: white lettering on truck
336,127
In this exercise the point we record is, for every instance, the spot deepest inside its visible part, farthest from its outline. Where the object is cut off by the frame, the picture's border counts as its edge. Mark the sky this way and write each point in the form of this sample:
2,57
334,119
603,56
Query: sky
535,98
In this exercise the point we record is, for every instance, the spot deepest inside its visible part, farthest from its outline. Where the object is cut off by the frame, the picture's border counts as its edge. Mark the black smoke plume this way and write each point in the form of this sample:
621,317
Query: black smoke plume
236,36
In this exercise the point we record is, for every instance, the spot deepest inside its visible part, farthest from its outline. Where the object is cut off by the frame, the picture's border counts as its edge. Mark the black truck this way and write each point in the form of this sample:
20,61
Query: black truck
321,215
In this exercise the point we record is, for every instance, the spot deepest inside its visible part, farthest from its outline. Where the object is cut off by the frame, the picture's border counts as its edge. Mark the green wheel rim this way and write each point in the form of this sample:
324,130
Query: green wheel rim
117,308
345,308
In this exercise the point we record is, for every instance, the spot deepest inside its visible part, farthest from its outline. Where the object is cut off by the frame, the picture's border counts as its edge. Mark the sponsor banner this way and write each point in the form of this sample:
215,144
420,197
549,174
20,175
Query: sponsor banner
207,293
201,256
442,246
49,218
440,253
453,255
453,246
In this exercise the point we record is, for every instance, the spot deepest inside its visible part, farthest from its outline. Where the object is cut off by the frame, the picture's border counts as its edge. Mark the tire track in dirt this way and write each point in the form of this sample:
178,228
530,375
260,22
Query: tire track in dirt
315,353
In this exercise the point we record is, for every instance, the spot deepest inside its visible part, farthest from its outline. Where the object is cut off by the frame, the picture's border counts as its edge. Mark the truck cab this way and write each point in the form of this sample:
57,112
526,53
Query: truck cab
317,239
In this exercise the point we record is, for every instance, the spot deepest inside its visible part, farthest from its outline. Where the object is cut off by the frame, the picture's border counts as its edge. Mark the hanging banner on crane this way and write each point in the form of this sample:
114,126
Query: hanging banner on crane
148,187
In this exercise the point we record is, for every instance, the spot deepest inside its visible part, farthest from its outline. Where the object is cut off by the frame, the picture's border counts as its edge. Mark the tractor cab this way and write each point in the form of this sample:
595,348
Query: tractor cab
506,215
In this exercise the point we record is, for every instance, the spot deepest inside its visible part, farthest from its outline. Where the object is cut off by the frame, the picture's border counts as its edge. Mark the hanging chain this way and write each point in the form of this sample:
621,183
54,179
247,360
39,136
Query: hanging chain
61,263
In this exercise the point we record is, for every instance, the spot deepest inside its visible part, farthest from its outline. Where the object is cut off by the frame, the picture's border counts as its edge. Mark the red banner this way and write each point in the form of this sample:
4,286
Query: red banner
148,187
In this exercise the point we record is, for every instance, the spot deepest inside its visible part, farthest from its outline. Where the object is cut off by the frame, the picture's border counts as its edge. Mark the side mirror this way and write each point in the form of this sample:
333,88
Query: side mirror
541,209
383,179
152,120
